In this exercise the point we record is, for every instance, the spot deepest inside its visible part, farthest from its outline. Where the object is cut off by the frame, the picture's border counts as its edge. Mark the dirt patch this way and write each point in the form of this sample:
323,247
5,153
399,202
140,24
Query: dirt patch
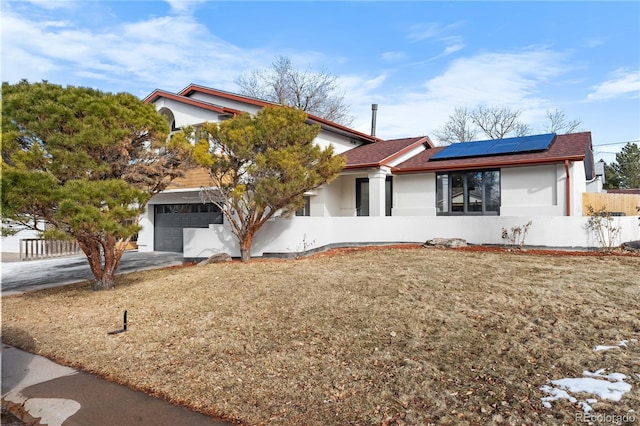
375,335
488,249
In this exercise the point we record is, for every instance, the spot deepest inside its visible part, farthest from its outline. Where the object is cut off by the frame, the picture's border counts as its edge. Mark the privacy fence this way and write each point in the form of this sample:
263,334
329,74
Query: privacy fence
617,204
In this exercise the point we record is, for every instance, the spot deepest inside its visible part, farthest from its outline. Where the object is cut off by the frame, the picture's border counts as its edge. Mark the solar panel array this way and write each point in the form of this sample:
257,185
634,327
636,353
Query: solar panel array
496,147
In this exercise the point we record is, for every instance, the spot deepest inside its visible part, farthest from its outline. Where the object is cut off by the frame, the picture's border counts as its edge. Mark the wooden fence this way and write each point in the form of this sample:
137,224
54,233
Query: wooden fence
617,204
39,248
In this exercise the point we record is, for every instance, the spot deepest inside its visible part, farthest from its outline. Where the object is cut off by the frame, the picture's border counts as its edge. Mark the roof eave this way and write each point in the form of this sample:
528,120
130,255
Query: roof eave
326,124
194,102
488,165
362,166
405,150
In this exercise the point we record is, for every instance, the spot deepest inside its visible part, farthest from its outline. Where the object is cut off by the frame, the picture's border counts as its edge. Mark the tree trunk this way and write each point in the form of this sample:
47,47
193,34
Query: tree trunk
245,247
103,257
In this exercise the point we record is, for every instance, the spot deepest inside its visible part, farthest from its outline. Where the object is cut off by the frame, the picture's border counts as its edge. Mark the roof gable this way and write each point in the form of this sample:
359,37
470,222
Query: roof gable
186,94
383,152
159,94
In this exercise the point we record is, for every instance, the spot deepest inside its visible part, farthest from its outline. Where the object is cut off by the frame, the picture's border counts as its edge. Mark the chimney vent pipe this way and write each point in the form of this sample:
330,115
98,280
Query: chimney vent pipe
374,113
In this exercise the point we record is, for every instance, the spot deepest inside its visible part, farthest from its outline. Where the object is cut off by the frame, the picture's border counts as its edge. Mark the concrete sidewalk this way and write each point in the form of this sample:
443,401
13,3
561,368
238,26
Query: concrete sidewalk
39,391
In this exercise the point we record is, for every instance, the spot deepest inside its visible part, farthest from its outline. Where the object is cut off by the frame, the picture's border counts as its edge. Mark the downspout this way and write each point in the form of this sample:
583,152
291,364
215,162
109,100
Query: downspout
568,187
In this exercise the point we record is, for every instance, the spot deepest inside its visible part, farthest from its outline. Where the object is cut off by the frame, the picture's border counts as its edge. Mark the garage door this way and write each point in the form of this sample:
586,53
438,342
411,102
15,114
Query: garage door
171,219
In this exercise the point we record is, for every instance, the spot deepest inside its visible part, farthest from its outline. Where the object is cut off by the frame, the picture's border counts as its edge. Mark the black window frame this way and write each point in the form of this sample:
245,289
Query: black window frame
388,196
360,208
305,210
468,209
211,209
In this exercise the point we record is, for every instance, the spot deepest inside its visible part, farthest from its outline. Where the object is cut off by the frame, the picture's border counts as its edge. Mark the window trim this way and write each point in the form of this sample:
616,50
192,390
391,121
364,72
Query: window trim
465,194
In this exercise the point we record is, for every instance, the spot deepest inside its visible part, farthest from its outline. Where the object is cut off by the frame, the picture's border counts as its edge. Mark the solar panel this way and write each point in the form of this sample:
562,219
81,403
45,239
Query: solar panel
536,142
504,146
496,147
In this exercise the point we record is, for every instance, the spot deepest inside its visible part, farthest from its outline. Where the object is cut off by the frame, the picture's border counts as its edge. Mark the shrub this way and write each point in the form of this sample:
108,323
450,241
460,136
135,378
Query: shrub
516,236
601,224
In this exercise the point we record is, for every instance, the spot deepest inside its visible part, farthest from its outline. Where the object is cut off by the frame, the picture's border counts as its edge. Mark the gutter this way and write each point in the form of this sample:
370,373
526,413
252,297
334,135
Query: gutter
568,187
485,165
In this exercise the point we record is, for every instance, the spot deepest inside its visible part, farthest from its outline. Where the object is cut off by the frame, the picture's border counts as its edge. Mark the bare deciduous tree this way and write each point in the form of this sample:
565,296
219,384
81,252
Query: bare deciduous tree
521,129
458,128
496,122
314,92
558,122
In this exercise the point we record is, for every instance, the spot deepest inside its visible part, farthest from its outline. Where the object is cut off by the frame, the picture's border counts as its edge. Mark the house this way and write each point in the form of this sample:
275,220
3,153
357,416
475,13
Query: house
180,206
391,191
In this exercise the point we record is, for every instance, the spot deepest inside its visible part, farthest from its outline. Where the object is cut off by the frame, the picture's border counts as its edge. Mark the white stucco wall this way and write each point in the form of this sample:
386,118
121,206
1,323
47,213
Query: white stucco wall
11,243
535,190
414,195
306,233
184,114
220,101
577,175
340,143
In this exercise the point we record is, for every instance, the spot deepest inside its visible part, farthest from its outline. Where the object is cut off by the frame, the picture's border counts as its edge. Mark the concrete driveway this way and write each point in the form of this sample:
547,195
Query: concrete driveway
30,275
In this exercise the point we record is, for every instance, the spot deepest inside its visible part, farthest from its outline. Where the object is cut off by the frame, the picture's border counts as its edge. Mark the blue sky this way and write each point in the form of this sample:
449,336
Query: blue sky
417,60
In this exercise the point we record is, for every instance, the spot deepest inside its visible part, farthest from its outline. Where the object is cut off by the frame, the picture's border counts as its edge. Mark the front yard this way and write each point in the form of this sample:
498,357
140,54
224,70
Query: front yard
367,337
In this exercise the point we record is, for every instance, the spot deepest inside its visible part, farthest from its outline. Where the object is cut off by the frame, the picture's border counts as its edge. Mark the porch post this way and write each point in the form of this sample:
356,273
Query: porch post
377,192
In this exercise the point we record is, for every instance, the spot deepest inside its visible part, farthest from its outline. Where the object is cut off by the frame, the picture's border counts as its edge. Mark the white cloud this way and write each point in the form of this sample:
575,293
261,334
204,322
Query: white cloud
393,56
184,6
453,48
419,32
135,57
621,84
54,5
512,79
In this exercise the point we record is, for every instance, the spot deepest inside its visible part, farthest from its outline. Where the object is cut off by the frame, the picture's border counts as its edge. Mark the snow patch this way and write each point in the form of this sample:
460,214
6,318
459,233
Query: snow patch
620,344
609,387
606,386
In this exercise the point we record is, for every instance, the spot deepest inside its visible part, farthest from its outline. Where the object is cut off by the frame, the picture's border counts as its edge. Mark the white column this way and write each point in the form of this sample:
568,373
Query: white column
377,192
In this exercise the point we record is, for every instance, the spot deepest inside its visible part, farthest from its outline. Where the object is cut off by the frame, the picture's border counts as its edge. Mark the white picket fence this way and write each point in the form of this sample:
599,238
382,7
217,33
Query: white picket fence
39,248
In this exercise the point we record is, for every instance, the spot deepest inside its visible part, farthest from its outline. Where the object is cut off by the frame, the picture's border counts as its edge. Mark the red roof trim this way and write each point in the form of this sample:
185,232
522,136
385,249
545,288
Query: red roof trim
569,147
187,91
162,94
395,155
253,101
488,165
414,145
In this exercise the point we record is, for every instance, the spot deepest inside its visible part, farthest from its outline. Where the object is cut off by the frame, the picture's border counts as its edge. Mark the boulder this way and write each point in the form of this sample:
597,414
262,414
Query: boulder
633,246
446,242
216,258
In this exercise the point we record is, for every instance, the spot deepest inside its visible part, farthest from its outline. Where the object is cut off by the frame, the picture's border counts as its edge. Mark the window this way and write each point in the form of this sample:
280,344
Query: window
468,193
362,196
207,211
305,210
388,195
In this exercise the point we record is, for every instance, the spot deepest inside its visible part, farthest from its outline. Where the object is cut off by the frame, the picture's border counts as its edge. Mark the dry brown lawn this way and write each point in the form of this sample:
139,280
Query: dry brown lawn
361,337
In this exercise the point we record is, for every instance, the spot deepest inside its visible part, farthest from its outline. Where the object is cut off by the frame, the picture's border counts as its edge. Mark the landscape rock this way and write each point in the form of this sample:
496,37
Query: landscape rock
446,242
631,246
216,258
